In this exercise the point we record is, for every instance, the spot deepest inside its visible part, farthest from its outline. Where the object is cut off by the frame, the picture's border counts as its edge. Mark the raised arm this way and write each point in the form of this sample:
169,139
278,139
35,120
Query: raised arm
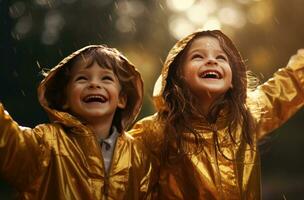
281,96
22,152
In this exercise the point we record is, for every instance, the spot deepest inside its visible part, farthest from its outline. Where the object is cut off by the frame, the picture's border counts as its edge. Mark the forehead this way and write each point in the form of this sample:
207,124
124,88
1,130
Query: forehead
205,43
87,64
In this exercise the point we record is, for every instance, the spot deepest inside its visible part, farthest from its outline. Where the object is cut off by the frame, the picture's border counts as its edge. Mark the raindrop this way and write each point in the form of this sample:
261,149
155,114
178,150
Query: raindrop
116,5
17,9
60,52
161,61
161,6
38,64
99,35
276,20
15,35
22,92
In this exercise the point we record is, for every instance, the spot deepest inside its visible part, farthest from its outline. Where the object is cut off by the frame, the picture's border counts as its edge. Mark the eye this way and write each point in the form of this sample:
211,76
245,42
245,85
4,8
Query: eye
78,78
222,57
197,56
108,78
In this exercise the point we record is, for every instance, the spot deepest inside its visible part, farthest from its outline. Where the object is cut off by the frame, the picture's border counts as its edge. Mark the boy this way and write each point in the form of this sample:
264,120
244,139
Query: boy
91,97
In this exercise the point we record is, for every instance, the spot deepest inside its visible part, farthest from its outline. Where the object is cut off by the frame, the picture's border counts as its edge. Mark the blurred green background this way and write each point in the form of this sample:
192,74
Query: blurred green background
37,34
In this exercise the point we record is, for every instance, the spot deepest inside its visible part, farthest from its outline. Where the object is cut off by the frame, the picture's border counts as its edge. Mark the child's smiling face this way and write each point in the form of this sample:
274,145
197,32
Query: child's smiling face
93,93
206,68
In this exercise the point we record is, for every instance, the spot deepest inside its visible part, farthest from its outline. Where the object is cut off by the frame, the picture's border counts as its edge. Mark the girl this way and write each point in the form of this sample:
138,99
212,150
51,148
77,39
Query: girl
209,121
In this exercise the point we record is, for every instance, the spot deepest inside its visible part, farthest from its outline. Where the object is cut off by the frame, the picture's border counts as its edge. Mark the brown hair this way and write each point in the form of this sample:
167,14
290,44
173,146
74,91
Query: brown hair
105,57
180,104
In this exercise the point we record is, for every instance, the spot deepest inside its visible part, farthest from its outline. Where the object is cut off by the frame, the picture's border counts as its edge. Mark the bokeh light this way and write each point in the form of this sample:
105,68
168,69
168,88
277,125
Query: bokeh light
179,5
232,16
180,27
22,27
260,13
53,24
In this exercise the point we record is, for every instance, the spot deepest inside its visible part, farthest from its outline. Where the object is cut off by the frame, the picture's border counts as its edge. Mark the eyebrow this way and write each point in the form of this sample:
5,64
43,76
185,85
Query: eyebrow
205,49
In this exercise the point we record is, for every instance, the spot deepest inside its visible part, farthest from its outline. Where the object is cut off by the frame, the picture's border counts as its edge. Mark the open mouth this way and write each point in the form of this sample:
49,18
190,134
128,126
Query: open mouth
211,74
95,99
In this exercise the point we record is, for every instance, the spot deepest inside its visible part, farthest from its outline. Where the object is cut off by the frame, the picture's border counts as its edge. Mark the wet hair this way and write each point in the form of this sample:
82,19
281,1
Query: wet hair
181,108
105,57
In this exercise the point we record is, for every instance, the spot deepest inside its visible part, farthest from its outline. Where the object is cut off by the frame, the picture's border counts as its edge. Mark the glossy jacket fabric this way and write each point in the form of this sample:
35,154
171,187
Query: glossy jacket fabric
63,159
209,175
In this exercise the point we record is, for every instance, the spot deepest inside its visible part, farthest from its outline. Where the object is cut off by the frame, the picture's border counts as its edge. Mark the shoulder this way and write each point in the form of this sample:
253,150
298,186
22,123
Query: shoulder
149,125
149,133
48,132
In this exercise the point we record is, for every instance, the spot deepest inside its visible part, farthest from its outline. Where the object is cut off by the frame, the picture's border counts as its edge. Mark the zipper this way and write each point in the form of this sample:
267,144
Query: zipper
106,181
219,179
106,174
106,177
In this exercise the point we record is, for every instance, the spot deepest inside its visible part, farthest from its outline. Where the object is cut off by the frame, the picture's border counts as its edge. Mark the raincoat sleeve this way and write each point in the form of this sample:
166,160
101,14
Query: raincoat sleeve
146,171
21,151
281,96
147,132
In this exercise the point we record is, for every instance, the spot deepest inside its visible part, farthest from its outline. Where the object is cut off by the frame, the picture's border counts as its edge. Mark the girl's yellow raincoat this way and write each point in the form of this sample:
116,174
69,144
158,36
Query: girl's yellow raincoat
209,175
63,159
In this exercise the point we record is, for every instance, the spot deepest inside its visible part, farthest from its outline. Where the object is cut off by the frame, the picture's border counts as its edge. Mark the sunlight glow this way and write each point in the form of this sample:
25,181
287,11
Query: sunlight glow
125,24
260,13
131,8
212,24
232,16
197,14
180,27
179,5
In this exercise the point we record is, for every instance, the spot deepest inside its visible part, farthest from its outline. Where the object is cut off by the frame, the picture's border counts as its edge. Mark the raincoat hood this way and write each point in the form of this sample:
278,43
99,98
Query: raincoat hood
129,113
179,46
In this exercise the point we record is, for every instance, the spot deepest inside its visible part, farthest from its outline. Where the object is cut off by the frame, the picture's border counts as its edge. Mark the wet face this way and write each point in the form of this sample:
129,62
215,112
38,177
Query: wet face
206,68
93,93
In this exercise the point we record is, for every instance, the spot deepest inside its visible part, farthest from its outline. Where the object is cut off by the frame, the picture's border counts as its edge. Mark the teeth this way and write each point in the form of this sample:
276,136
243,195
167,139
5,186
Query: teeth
95,98
211,74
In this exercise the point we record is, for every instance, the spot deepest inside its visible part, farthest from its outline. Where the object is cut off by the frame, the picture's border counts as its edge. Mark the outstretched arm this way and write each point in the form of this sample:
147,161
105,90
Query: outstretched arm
281,96
21,151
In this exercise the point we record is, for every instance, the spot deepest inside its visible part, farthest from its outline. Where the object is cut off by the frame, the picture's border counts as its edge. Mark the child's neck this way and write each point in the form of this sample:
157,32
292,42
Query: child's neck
205,102
101,129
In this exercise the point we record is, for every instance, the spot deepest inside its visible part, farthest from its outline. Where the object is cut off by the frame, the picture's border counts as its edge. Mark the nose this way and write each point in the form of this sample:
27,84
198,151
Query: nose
94,84
211,61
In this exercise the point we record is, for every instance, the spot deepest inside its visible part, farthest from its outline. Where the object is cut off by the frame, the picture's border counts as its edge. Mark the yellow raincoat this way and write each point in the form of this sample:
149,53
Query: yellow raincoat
209,175
63,159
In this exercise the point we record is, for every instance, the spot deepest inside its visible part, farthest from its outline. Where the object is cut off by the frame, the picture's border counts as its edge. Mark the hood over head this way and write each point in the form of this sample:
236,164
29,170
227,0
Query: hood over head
181,46
134,94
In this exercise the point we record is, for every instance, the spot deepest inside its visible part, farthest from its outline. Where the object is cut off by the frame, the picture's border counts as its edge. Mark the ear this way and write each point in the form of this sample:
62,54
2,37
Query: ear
231,86
122,101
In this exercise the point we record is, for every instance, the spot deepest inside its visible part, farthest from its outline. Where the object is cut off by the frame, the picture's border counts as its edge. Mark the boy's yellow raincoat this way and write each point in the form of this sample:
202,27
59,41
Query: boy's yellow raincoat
63,160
